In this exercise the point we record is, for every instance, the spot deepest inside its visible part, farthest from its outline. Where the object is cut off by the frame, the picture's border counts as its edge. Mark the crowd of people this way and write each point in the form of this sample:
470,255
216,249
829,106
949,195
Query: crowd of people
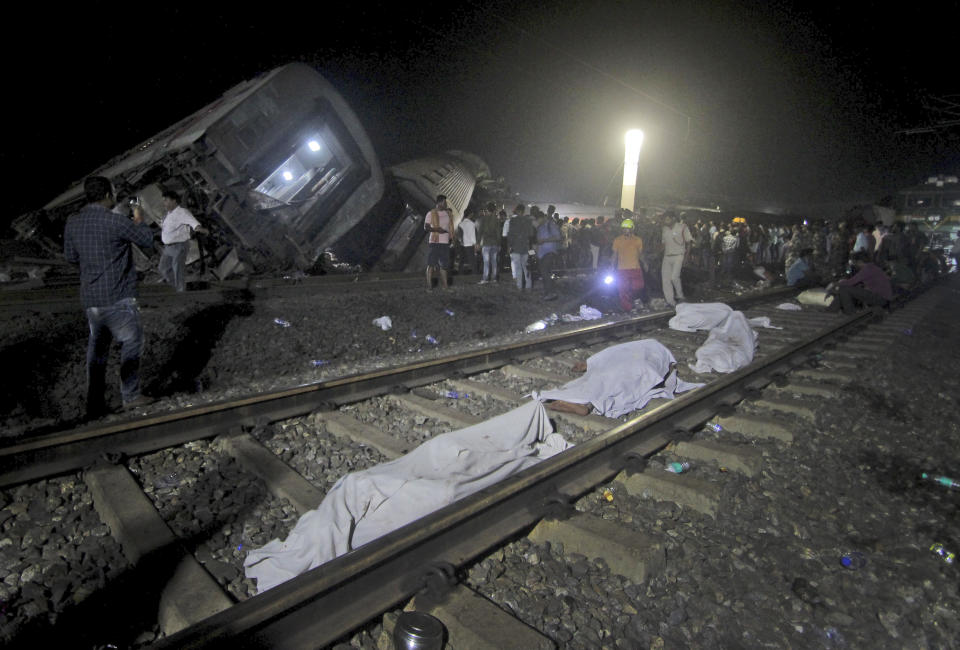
649,248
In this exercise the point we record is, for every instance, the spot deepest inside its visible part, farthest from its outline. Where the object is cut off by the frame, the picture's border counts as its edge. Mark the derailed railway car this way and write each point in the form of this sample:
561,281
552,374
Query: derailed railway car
280,168
419,181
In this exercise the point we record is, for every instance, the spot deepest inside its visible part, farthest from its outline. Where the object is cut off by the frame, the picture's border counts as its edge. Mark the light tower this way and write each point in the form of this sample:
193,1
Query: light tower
631,157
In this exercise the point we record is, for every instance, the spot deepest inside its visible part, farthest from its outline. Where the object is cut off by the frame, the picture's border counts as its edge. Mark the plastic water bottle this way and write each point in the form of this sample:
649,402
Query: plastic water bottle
432,340
677,468
947,556
319,362
281,322
853,560
449,312
945,481
713,426
452,394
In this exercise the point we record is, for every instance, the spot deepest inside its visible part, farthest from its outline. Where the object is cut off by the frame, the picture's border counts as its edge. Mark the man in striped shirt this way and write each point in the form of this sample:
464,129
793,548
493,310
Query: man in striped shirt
99,240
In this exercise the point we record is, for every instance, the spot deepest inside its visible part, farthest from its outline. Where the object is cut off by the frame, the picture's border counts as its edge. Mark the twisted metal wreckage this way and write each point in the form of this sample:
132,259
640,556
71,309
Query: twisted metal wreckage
286,178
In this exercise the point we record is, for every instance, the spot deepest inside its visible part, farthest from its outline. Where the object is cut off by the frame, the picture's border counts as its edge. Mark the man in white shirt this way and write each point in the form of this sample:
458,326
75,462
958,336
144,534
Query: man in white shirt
175,231
676,240
468,242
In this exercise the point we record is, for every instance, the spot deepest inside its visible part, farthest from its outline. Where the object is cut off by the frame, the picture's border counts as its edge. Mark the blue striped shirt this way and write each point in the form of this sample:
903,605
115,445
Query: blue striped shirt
99,241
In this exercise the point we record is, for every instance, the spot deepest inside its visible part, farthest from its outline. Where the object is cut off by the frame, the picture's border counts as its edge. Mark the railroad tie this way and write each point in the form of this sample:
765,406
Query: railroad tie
784,404
836,376
475,623
281,479
806,388
490,390
436,411
738,458
686,491
753,426
345,426
557,378
630,553
190,594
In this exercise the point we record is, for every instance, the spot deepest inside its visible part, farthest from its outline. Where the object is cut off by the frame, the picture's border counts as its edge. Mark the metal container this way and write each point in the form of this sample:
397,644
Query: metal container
417,631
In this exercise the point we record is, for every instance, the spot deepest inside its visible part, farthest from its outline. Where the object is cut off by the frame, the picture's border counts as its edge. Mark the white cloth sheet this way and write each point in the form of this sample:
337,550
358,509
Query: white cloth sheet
623,378
731,342
729,346
363,506
693,316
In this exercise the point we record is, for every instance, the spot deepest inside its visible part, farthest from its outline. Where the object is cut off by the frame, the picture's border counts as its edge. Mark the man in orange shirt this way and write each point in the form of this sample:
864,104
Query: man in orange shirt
626,257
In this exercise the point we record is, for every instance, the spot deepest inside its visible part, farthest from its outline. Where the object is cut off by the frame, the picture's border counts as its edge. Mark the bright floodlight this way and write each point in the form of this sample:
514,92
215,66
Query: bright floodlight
314,145
608,279
632,143
287,176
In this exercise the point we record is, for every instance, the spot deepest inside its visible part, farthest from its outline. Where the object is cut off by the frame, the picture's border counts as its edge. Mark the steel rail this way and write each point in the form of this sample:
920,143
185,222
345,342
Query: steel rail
41,456
323,605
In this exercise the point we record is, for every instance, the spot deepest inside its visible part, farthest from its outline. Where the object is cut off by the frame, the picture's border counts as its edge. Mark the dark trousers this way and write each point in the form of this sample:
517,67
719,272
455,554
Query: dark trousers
547,264
852,297
121,322
629,286
468,259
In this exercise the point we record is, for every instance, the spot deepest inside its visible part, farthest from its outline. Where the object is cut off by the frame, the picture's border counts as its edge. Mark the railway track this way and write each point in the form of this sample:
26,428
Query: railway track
612,458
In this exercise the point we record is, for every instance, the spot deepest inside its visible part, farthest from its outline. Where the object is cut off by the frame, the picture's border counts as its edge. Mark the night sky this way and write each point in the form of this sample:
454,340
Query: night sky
766,105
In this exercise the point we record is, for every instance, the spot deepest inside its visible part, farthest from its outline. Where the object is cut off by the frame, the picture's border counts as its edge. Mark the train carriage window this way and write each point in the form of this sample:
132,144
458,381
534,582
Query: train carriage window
312,164
312,159
950,200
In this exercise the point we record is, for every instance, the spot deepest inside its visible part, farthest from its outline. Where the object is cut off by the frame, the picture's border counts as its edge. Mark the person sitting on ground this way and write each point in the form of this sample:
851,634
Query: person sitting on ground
876,290
801,273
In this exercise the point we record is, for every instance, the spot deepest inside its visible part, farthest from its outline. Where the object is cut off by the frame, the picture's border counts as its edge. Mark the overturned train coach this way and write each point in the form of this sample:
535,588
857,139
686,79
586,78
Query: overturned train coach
285,176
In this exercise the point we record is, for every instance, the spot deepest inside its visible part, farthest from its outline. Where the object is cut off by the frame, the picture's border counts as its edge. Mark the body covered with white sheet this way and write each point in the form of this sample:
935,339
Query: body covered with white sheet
365,505
623,378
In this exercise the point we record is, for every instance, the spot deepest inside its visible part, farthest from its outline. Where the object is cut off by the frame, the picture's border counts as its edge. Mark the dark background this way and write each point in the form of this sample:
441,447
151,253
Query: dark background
766,105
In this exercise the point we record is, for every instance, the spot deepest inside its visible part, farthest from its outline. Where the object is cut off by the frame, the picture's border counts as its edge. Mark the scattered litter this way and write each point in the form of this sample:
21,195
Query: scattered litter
947,556
789,306
319,362
413,334
853,560
806,592
167,481
945,481
542,324
815,298
589,313
452,394
809,554
383,323
677,468
763,321
608,494
714,426
449,312
281,322
432,340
